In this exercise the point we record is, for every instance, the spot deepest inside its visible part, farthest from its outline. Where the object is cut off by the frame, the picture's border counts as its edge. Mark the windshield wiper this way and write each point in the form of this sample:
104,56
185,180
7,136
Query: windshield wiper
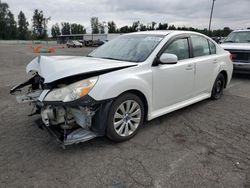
115,59
110,58
103,57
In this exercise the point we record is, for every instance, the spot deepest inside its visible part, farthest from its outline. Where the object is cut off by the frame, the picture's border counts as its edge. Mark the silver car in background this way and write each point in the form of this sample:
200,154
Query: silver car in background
238,44
74,44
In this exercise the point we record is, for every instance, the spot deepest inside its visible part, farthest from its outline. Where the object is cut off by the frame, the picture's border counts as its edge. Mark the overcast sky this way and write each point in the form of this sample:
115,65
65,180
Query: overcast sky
190,13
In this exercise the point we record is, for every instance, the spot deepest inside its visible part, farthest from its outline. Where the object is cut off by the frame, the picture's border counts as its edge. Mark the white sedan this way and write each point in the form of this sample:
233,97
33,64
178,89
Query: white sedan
131,79
74,44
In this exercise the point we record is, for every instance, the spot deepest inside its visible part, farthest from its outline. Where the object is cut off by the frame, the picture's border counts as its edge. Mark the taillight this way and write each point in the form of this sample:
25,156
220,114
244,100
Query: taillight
233,56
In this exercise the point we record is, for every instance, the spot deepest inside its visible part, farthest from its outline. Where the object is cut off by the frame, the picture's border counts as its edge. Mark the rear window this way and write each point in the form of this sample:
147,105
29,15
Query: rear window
200,46
212,47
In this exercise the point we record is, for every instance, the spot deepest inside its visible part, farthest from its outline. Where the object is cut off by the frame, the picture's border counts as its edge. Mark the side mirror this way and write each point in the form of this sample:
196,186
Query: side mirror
167,58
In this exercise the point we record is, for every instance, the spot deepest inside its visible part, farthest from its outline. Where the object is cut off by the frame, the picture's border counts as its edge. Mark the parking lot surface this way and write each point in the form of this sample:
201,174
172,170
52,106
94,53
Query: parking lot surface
204,145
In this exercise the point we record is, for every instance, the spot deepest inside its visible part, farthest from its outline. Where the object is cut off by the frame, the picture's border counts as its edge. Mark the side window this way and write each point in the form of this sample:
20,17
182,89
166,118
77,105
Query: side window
212,47
180,48
200,46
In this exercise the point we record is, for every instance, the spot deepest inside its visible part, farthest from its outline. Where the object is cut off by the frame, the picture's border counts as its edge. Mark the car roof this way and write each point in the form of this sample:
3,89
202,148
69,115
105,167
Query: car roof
242,30
163,32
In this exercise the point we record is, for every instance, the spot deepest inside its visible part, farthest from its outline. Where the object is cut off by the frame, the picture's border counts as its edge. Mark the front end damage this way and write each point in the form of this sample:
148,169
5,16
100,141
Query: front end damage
69,125
70,122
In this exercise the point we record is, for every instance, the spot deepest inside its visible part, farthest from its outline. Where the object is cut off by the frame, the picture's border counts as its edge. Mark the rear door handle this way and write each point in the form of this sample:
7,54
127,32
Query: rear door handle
215,61
189,67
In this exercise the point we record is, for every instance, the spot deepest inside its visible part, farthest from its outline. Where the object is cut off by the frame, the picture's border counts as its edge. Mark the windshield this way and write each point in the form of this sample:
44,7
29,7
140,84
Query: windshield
238,37
133,47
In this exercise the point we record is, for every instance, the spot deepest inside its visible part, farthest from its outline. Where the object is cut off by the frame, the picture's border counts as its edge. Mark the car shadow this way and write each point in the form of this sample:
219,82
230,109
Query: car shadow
149,126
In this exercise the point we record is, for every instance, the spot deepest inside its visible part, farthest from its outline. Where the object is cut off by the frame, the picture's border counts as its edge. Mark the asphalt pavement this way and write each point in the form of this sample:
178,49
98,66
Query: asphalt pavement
203,145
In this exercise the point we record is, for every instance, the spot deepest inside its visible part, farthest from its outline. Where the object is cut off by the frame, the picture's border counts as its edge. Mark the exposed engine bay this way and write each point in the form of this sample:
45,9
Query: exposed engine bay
70,122
69,125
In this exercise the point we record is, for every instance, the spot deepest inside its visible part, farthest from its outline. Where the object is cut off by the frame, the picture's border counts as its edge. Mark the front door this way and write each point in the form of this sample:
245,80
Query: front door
174,83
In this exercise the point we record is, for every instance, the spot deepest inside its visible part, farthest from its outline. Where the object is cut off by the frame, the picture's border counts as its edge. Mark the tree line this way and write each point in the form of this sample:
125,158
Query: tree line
67,29
98,27
10,29
137,26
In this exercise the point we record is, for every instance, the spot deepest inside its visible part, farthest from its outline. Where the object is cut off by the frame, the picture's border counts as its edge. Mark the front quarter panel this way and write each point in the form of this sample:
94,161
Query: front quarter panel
113,84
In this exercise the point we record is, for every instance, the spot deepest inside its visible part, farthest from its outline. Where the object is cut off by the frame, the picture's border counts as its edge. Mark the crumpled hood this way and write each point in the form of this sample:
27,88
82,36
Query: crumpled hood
52,68
235,46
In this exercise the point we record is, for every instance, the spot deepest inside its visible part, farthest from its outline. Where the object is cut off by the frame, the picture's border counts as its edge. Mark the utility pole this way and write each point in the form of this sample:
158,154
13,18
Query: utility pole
211,15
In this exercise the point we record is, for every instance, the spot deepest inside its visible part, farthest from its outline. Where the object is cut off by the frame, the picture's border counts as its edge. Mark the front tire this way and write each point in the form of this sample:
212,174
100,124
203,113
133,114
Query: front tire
218,87
125,117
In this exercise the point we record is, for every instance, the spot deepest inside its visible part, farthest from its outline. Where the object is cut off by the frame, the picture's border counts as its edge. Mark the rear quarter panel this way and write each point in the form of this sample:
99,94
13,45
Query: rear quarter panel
225,63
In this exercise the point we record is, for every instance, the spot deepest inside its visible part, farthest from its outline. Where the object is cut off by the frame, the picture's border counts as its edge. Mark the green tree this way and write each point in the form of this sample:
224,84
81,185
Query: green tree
172,27
182,28
55,30
124,29
11,28
94,25
192,29
151,26
39,25
23,32
101,27
8,28
226,31
3,14
74,28
77,29
65,30
162,26
143,27
112,27
135,26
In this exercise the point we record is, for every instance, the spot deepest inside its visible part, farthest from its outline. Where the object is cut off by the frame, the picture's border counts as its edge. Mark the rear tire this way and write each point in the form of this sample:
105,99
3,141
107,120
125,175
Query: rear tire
218,87
125,117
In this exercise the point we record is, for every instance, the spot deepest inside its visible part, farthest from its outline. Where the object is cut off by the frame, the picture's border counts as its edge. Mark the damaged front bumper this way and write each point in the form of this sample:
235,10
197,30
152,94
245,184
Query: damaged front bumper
75,137
70,125
70,122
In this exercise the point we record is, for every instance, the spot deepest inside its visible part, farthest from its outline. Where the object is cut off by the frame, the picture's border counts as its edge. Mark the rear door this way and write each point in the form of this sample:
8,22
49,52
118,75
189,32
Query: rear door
204,58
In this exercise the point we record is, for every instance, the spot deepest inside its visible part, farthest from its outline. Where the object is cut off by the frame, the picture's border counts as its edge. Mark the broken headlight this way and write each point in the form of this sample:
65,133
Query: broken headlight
73,91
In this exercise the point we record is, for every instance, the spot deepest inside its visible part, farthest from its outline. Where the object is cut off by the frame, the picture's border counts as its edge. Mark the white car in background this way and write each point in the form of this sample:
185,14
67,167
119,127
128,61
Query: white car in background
74,44
238,44
133,78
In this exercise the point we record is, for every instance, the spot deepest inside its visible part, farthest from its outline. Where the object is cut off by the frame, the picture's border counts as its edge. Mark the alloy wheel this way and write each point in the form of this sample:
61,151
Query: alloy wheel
127,118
